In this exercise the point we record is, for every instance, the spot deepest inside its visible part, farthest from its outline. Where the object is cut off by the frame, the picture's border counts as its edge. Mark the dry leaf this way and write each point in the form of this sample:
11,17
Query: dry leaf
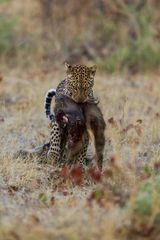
1,78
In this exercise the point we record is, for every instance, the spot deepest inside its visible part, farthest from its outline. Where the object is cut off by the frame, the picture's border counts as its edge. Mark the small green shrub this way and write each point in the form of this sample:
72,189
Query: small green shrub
6,33
7,26
143,202
131,41
4,1
146,205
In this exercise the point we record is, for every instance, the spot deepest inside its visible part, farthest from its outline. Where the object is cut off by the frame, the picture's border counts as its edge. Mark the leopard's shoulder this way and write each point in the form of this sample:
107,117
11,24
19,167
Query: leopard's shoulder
62,90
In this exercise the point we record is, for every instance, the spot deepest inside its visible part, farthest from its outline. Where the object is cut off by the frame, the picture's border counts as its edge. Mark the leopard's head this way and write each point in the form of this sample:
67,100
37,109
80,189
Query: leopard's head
80,81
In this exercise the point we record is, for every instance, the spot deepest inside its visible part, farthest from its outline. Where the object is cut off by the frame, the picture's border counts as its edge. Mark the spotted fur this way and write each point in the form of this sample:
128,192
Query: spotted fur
78,86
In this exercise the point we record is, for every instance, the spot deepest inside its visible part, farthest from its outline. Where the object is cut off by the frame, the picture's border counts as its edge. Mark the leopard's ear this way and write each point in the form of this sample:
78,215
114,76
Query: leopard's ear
93,69
67,65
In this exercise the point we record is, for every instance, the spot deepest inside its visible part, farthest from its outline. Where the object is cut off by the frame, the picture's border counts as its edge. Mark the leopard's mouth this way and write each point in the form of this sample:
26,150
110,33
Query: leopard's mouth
80,99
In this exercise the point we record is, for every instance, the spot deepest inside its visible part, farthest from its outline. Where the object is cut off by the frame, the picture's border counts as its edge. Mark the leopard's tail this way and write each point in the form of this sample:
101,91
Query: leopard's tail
48,99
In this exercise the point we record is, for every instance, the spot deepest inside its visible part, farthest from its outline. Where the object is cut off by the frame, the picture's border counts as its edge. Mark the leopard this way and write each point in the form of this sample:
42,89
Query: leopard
69,138
78,86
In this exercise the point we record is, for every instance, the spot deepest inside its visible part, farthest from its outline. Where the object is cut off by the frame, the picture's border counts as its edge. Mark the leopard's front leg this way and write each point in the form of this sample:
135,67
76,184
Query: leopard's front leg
82,154
55,143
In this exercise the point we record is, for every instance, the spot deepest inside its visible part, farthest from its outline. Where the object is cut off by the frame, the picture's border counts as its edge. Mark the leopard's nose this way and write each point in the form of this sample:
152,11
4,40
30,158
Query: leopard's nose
80,100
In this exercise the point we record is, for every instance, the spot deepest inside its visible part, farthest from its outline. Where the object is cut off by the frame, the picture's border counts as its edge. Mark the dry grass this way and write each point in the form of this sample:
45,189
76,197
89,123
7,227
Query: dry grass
33,205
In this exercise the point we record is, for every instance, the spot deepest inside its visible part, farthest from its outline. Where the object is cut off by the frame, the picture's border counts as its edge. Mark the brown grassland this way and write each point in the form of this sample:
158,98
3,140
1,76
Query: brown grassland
38,202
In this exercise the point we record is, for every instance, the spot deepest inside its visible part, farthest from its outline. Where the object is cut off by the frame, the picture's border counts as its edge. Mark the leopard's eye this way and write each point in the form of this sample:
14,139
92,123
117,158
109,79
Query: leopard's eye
70,94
